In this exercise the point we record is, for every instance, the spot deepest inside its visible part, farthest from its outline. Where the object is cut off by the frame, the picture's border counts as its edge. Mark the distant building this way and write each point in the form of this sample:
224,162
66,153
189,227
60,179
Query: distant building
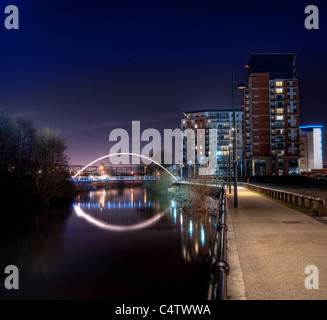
311,148
222,121
271,116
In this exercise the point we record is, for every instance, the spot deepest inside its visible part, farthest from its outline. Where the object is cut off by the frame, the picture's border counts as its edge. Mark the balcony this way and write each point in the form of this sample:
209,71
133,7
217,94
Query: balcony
278,124
278,139
277,146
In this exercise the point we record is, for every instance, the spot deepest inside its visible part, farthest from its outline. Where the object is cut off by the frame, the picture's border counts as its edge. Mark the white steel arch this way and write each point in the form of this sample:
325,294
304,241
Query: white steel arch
123,153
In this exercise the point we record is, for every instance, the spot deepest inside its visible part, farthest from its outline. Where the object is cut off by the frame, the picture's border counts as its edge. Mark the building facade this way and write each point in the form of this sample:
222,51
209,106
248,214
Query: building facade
271,116
221,123
311,148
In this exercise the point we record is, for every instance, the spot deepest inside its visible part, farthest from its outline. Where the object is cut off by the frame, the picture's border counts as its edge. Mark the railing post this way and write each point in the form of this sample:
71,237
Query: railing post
321,207
310,205
296,200
302,202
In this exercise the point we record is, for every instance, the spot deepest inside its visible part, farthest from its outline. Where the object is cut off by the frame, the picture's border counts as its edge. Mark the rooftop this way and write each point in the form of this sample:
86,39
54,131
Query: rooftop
213,110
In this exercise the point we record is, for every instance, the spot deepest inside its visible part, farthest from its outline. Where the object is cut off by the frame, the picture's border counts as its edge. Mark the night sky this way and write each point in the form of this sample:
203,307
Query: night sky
88,67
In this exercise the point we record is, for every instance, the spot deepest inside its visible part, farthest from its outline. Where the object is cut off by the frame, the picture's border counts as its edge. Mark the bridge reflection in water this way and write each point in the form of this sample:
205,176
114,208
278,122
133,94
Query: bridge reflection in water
131,209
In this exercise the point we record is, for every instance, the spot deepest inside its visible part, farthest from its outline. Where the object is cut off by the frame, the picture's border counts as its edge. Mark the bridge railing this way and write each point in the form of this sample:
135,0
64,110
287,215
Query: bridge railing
203,182
305,201
219,266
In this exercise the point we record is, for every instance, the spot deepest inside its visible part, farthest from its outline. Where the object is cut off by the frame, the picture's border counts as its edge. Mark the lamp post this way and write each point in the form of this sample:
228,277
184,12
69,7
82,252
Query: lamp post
240,86
230,167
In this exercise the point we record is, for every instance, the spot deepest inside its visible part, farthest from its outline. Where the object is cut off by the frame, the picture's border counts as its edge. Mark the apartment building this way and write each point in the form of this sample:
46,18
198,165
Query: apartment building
271,116
219,123
311,148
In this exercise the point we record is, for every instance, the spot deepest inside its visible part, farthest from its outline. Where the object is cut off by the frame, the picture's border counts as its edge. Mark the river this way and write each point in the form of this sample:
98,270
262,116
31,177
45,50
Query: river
110,244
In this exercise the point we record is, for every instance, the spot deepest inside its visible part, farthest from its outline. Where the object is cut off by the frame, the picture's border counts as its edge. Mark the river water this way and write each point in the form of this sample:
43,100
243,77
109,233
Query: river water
109,244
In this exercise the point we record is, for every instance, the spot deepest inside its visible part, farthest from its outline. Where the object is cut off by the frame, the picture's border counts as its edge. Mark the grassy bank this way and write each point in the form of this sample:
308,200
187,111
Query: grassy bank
194,198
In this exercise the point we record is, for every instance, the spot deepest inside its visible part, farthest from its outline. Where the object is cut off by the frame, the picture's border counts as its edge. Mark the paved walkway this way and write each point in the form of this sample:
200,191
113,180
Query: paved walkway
270,245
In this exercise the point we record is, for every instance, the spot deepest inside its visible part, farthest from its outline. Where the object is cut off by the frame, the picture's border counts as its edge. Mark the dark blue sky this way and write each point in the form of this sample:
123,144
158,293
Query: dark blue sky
88,67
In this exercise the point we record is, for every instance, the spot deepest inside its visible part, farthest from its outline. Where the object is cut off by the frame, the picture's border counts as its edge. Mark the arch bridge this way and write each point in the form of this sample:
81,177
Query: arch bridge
122,177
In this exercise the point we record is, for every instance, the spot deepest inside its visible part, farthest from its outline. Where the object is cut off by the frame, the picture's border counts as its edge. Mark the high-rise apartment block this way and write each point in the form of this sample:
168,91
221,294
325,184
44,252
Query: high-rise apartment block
311,148
222,122
271,116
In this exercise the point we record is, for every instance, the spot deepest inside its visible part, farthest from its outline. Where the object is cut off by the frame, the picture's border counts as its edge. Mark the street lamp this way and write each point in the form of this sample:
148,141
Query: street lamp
240,86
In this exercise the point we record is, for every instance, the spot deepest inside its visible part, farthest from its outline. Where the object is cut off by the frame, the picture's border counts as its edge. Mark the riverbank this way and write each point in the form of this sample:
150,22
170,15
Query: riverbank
25,197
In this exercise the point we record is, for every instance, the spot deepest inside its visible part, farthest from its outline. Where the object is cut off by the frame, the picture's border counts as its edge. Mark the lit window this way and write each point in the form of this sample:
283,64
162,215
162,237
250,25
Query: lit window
183,121
280,90
279,83
279,117
280,111
196,126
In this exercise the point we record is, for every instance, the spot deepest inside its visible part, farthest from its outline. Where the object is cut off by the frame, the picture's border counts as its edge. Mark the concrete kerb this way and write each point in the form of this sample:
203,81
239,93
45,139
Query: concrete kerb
235,282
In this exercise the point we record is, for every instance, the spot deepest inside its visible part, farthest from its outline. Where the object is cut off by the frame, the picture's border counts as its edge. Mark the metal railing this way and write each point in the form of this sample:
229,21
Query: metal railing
219,266
292,198
203,182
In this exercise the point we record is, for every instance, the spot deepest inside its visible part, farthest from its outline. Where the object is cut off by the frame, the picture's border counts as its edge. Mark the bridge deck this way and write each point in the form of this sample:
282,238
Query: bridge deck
114,178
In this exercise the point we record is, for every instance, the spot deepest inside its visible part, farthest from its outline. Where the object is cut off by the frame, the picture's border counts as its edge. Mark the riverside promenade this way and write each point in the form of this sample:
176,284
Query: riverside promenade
269,247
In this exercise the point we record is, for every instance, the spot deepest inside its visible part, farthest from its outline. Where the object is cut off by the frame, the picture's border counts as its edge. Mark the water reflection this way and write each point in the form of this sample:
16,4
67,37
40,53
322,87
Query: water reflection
131,210
33,241
107,226
196,236
118,210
